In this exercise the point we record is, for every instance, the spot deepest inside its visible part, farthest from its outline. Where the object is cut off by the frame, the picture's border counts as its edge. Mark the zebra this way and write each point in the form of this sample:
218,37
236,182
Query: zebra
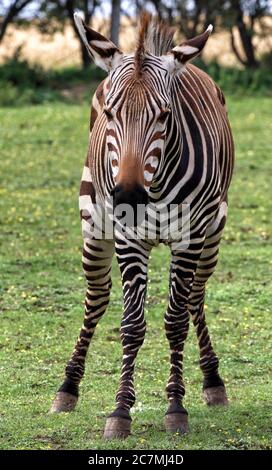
159,135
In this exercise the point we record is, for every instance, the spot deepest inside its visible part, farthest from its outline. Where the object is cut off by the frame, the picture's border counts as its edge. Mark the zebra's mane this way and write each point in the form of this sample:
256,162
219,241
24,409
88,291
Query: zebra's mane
154,36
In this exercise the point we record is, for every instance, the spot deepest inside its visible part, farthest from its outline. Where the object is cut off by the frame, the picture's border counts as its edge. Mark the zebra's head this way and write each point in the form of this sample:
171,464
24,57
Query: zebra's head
138,103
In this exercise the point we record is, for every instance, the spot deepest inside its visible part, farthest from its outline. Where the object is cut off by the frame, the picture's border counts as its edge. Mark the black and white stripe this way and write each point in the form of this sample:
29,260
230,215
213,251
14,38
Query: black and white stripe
166,129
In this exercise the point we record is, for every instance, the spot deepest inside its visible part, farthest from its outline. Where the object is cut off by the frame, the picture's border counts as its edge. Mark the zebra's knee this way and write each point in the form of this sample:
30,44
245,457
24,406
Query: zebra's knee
132,333
74,372
209,364
97,288
96,263
176,328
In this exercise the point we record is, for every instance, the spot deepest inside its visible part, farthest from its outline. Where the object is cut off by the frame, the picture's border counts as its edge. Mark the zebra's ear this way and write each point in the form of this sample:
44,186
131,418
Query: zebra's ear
104,53
187,51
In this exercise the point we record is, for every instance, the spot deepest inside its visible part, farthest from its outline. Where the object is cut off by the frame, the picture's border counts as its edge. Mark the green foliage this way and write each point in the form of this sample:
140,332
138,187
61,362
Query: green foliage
266,60
42,287
239,81
11,95
20,73
22,83
8,94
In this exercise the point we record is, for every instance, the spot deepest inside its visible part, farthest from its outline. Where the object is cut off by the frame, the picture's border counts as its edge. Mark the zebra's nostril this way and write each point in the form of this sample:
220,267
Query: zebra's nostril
136,198
116,190
145,198
136,195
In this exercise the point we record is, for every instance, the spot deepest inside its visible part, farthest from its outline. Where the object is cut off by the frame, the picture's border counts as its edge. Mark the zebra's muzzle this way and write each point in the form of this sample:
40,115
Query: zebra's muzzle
129,205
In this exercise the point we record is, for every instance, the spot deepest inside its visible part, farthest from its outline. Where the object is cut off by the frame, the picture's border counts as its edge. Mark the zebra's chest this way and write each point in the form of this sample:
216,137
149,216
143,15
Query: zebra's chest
188,177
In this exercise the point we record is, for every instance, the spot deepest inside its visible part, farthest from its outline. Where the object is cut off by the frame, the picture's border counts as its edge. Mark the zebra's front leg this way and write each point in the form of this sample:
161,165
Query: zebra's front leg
133,261
96,259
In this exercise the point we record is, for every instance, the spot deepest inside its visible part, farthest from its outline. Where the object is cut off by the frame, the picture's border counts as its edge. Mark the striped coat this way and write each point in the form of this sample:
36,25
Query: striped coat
160,137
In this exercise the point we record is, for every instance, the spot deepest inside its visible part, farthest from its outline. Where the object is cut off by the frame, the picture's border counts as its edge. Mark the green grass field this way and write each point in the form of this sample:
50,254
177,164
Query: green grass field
42,291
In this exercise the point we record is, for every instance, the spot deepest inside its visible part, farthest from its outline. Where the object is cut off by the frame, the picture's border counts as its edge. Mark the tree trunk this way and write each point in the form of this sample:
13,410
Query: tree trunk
15,8
246,39
234,48
115,21
246,35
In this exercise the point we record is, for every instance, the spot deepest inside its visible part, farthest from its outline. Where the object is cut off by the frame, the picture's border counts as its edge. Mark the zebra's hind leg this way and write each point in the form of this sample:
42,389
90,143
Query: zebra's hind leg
97,258
133,259
183,266
214,392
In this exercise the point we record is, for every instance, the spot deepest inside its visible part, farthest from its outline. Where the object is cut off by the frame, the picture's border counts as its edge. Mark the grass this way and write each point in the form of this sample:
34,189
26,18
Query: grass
42,292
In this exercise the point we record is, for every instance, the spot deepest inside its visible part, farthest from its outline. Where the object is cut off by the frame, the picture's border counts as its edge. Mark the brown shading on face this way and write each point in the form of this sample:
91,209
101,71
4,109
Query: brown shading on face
130,172
134,118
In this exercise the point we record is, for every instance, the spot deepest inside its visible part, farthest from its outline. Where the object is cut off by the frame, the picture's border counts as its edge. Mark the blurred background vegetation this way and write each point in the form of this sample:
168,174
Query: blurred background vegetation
42,58
46,81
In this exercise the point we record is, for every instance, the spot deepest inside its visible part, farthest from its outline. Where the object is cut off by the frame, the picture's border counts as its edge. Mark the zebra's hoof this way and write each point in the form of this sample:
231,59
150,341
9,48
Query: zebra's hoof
64,402
117,428
176,422
214,396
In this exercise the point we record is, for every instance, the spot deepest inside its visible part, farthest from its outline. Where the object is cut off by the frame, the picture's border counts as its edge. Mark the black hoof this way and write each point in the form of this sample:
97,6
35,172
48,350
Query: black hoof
118,424
176,418
117,428
64,402
176,423
214,396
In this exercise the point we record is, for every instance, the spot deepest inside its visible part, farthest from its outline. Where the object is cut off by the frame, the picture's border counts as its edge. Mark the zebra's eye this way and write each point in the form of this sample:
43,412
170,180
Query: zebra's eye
108,113
164,113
